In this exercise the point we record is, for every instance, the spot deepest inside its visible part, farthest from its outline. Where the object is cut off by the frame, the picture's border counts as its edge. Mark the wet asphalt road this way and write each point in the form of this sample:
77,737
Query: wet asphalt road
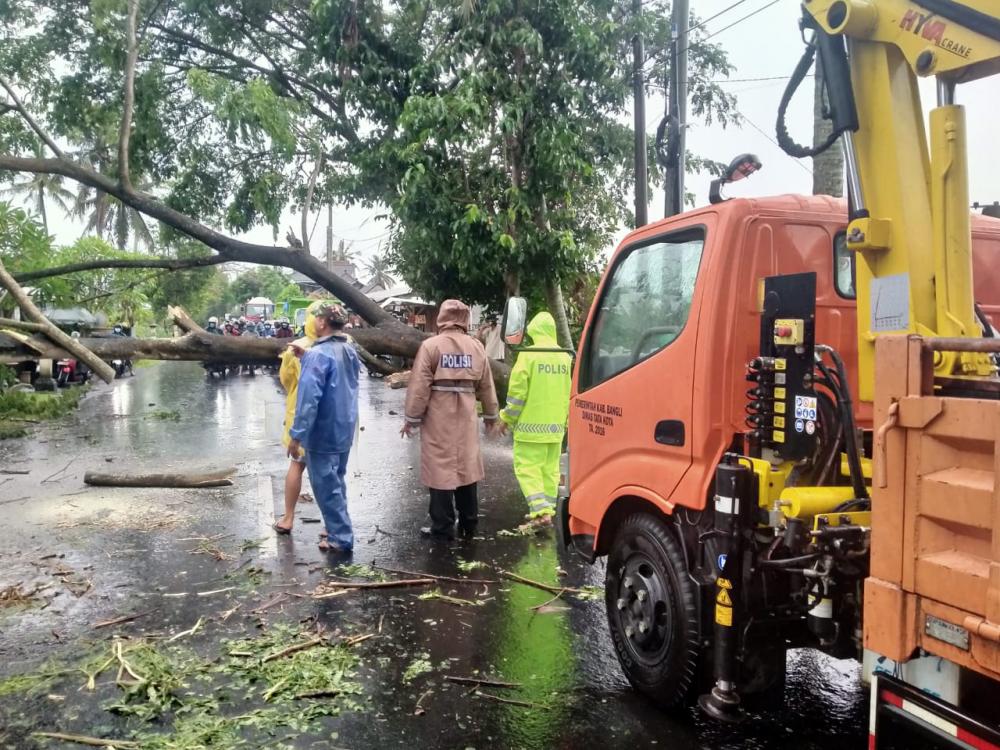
113,552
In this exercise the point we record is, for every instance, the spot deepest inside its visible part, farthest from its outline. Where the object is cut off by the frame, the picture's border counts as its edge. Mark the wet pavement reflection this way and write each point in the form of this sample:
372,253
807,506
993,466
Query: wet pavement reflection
142,550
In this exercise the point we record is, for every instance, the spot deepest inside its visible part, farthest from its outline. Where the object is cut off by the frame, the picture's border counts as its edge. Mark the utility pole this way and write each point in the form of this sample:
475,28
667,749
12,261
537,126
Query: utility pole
329,236
676,109
639,107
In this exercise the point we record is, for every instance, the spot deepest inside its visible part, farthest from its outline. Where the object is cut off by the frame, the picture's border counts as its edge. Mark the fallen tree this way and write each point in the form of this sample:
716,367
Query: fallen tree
386,336
206,347
52,333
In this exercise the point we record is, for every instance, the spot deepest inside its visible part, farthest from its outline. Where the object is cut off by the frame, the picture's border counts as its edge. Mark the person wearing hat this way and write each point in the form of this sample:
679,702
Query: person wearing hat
288,375
326,412
450,373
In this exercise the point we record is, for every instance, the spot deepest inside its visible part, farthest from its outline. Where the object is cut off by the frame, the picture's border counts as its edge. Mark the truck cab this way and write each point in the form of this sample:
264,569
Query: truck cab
661,394
659,387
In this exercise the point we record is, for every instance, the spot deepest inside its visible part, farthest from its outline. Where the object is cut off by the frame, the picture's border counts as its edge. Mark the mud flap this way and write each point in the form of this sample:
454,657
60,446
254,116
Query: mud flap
562,523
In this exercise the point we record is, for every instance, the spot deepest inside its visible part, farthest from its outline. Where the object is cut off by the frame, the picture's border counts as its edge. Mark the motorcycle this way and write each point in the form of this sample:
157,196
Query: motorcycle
372,372
70,371
213,368
121,366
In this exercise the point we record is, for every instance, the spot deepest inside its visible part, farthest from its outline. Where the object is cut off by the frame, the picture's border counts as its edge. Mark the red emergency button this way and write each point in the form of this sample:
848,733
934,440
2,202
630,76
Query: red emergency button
783,331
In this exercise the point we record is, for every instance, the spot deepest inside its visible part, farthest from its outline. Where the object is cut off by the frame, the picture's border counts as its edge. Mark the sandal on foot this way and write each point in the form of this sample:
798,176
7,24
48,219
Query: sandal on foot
281,529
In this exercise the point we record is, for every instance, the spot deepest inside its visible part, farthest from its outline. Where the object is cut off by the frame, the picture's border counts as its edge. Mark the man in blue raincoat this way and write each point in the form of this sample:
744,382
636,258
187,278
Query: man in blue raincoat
326,412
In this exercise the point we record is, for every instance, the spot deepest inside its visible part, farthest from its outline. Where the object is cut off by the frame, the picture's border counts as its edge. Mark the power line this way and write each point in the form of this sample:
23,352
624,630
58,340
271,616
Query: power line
716,33
712,18
754,125
734,23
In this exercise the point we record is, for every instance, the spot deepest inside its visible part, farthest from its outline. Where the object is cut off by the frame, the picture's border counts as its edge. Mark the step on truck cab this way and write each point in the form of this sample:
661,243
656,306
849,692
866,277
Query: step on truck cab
662,393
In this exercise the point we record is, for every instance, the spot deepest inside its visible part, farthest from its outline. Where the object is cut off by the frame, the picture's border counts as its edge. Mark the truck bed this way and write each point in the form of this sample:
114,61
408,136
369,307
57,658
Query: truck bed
935,570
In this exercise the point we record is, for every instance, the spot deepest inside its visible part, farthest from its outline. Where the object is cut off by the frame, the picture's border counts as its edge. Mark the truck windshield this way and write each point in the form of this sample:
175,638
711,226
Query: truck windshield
645,304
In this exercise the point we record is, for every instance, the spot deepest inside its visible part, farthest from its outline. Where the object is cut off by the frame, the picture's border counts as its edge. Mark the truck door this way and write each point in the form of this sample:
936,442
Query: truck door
630,416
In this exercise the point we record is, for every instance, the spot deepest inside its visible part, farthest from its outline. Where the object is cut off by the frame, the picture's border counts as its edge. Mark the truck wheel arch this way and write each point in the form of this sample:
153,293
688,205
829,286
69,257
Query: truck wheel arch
631,500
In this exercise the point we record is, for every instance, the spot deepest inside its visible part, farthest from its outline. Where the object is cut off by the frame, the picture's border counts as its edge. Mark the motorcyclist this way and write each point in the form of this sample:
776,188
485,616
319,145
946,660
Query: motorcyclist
213,326
121,365
283,330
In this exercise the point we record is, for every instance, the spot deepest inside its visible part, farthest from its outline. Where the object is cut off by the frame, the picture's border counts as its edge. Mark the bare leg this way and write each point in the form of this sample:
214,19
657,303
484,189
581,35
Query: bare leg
293,488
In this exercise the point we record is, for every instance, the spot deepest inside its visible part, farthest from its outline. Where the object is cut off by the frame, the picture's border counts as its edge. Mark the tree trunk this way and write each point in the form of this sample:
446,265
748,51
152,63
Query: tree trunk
42,211
554,299
828,167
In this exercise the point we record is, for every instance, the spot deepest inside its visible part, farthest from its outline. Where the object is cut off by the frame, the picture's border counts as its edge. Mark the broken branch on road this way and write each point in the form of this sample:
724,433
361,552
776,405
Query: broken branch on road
120,620
481,682
176,480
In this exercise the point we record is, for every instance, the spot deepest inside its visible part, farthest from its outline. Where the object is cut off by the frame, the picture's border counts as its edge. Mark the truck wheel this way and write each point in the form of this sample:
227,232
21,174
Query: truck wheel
653,610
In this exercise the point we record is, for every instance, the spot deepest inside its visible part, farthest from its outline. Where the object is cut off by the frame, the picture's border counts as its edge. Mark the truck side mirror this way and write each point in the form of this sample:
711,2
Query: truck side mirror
515,315
742,166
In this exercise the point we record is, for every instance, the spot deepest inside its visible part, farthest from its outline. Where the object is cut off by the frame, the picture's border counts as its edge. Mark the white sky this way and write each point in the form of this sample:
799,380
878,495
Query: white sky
765,45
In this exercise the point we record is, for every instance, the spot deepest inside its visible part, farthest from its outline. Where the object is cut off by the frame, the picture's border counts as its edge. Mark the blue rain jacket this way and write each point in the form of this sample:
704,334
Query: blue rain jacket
326,409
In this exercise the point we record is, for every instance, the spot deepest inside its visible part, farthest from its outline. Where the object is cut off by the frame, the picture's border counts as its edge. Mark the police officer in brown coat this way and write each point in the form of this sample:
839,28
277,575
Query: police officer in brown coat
449,374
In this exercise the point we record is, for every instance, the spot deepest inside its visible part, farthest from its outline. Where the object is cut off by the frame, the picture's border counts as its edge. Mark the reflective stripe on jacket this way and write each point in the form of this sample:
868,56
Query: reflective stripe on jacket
538,394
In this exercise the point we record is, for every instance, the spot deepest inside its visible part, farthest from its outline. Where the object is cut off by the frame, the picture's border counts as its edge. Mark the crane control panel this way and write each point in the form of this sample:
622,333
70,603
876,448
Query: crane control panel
782,407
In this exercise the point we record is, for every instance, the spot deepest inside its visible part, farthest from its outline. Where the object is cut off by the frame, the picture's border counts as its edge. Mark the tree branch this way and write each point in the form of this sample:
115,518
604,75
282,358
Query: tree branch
170,264
307,203
32,123
288,81
232,249
125,133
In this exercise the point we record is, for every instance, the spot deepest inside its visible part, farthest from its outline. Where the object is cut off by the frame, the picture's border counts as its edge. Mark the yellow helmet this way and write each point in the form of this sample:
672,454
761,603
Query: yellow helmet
310,324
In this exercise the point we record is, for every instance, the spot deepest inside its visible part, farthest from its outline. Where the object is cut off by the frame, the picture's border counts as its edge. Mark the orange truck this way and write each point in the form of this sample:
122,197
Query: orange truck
785,411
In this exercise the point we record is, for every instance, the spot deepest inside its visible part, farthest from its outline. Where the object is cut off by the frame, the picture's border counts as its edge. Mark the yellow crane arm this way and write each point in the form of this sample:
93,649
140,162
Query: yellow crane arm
909,196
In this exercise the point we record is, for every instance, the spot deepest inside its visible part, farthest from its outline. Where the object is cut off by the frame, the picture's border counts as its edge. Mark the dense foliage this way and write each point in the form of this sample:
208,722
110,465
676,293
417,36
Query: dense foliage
497,132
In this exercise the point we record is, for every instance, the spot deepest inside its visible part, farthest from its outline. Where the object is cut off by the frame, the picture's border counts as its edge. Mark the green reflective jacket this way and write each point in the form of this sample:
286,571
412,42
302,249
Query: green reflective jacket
538,394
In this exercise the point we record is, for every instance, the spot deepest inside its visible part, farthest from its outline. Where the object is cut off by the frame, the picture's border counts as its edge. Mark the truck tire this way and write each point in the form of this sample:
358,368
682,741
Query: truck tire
653,610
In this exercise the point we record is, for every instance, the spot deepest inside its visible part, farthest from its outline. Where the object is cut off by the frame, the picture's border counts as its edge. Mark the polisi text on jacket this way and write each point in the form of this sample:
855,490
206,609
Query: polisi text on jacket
456,361
548,369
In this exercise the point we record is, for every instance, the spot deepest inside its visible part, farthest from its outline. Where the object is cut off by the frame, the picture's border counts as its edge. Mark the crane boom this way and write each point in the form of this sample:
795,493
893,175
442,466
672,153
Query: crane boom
909,195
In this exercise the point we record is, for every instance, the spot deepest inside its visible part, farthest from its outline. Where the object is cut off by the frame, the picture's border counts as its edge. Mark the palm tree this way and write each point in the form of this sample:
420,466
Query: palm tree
344,252
378,269
106,215
36,187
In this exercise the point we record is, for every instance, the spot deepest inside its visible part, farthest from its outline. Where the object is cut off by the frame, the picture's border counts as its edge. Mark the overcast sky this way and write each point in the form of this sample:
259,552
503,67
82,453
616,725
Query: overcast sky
767,44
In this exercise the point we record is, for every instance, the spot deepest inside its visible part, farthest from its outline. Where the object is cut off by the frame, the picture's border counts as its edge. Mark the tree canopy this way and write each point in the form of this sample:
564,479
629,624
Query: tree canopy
495,132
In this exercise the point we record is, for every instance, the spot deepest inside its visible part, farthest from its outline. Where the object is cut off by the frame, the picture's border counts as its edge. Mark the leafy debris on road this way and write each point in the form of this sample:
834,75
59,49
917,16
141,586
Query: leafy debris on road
357,570
420,665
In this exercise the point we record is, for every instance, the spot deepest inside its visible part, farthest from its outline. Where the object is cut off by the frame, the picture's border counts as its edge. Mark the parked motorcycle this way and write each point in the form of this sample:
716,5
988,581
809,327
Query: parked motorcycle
70,371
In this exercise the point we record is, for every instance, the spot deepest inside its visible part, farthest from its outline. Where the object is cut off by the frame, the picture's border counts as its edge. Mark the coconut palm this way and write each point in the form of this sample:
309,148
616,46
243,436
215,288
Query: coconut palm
108,217
378,270
344,253
35,188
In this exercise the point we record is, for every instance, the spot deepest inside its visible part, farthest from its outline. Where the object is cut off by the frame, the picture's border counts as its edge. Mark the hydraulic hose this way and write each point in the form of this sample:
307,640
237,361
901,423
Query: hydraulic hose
850,427
788,562
837,83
